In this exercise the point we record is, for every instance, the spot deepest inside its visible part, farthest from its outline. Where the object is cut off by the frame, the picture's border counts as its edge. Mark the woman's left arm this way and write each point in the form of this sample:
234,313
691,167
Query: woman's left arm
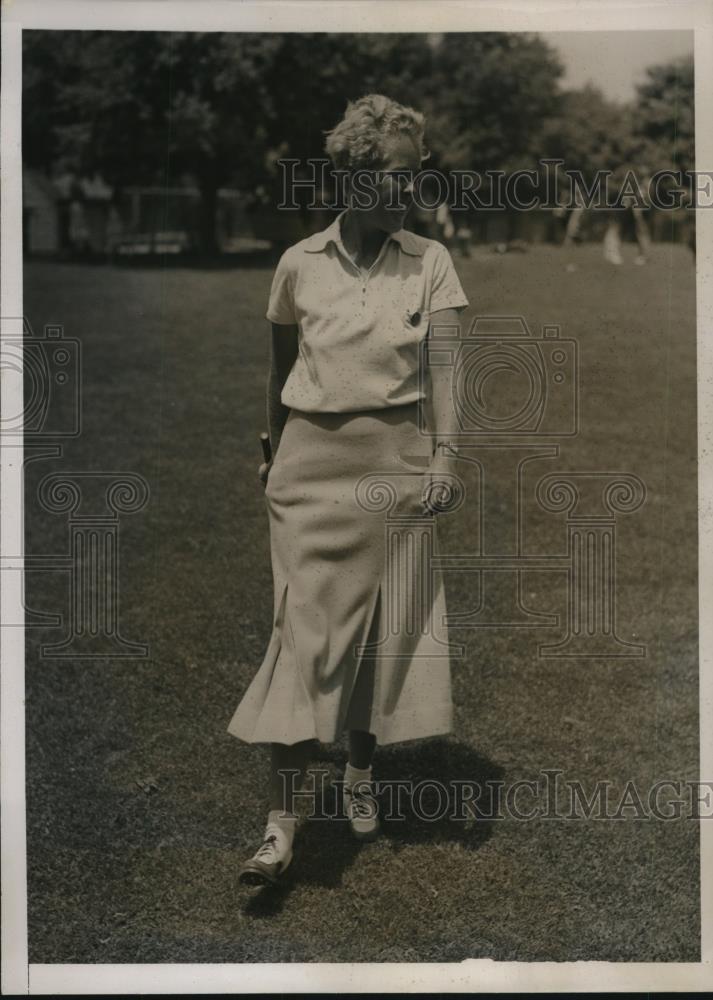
436,487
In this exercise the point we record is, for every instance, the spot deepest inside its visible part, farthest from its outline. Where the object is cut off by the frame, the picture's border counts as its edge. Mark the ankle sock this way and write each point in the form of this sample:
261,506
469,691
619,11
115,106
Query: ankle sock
354,774
283,824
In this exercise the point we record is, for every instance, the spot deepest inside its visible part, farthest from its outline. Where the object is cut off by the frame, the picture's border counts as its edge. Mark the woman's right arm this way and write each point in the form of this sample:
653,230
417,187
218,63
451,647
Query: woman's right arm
283,355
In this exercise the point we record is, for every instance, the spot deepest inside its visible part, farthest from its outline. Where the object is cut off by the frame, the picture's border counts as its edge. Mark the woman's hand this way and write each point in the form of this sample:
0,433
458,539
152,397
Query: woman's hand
437,493
264,471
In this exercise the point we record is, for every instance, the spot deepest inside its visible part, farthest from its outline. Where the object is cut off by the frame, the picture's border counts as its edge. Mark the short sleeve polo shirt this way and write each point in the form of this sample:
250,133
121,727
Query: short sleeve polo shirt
359,331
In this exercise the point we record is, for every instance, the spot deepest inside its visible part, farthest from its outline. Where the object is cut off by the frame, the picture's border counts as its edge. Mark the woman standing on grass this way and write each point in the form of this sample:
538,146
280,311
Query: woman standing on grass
349,308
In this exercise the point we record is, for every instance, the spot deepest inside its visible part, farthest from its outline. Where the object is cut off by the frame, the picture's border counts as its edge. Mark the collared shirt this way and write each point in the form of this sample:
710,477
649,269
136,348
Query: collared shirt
360,330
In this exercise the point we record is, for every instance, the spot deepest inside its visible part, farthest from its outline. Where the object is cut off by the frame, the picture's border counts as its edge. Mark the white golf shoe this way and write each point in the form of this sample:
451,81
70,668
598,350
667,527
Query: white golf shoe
269,861
362,810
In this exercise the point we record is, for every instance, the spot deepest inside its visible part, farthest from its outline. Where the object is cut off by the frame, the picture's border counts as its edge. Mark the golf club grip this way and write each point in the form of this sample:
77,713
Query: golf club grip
266,448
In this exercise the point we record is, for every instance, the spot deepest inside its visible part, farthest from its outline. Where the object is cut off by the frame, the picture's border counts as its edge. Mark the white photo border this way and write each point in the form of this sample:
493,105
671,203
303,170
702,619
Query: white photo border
352,16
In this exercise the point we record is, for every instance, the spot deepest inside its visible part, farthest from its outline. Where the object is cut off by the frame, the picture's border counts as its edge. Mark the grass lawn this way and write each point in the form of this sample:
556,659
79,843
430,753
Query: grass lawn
141,807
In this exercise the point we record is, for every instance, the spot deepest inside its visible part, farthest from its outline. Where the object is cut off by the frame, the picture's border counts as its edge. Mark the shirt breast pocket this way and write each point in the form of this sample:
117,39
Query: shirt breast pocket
409,337
416,323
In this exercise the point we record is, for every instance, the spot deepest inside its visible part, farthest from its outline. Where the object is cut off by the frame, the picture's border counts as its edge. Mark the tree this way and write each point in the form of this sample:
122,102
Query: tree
595,138
488,97
149,107
325,72
588,132
665,114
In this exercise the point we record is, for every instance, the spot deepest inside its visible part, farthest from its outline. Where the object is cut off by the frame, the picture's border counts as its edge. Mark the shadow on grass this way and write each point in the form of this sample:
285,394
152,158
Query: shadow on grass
324,849
446,770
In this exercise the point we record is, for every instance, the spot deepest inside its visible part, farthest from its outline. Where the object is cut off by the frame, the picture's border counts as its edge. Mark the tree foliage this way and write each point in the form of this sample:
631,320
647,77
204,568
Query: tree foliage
665,112
489,94
589,132
220,108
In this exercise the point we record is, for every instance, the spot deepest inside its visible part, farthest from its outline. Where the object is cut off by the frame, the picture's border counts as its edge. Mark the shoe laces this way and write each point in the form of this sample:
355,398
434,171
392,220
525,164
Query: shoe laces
268,848
361,803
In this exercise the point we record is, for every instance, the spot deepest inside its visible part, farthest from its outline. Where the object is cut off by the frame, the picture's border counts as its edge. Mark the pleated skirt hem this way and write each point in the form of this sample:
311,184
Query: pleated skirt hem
330,665
277,707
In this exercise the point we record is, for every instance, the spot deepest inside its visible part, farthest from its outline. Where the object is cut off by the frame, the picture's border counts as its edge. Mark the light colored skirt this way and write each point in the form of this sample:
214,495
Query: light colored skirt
351,568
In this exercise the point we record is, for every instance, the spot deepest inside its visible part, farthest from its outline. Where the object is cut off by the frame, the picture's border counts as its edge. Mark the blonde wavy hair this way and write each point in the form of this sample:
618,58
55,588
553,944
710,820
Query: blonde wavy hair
357,142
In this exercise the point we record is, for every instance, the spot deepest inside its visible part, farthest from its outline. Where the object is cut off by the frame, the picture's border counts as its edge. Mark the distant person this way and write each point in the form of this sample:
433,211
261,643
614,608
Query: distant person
78,228
612,240
444,221
557,224
612,236
572,231
463,236
114,229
